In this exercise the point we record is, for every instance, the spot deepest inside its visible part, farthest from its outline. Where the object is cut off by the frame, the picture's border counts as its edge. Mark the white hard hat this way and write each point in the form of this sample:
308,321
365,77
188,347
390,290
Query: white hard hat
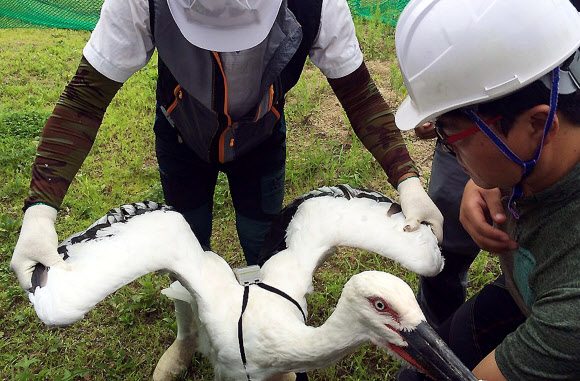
224,25
454,53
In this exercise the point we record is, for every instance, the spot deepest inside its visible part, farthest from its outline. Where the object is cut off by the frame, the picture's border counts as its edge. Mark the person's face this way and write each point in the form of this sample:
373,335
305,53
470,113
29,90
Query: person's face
479,156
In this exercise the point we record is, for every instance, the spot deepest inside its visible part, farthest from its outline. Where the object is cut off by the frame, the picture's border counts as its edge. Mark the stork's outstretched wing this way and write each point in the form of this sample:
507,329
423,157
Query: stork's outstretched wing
310,228
128,242
145,237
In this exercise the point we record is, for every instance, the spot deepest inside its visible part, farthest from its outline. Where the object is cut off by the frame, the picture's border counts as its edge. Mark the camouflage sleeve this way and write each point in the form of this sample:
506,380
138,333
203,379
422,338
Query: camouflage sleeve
373,121
69,134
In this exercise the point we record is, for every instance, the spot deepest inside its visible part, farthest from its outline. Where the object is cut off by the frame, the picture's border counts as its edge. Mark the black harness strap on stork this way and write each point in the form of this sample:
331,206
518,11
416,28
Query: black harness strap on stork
284,295
245,304
240,330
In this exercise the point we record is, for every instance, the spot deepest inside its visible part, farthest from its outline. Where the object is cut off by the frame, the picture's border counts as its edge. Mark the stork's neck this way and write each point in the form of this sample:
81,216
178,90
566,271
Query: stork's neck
319,347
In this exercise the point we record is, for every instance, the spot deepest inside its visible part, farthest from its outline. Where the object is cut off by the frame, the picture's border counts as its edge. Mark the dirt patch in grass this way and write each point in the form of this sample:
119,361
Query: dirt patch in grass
330,121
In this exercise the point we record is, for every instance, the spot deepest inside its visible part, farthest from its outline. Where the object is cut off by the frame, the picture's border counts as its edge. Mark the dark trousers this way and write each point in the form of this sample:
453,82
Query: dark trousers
441,295
256,183
477,327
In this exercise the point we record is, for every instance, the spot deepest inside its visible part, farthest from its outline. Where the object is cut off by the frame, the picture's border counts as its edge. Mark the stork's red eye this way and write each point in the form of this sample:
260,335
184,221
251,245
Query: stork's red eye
383,307
379,305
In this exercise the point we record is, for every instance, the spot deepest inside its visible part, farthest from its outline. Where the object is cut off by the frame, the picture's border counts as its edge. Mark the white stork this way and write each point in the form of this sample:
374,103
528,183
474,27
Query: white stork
263,335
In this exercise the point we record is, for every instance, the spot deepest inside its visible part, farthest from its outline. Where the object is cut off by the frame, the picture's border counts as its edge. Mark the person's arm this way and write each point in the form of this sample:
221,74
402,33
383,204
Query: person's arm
69,134
488,370
478,206
546,345
66,141
373,121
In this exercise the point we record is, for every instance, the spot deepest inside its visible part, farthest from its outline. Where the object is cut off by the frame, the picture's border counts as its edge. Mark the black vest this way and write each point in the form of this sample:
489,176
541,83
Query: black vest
191,85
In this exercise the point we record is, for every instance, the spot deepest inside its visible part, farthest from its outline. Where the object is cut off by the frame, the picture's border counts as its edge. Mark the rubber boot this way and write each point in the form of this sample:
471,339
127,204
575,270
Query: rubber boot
177,357
284,377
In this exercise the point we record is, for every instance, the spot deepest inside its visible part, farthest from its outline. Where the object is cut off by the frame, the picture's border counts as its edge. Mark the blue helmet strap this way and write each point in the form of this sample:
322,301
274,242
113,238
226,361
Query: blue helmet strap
527,166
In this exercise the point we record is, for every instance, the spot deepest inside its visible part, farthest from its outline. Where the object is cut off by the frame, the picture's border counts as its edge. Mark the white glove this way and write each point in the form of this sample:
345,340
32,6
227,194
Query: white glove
37,243
418,207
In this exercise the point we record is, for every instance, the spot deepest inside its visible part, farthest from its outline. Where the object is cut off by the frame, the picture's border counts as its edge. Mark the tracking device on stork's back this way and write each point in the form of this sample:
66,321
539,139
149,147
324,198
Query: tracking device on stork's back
248,275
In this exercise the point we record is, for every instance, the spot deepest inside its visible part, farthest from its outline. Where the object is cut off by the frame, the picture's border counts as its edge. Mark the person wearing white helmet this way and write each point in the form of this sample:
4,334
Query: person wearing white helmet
224,68
501,82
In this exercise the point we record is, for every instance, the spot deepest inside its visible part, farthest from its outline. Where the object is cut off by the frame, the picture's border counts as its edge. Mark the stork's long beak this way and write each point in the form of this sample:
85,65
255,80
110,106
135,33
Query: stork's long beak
429,353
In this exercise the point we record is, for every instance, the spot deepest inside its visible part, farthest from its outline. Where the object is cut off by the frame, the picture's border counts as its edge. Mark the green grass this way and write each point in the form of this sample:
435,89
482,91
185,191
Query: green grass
376,38
126,334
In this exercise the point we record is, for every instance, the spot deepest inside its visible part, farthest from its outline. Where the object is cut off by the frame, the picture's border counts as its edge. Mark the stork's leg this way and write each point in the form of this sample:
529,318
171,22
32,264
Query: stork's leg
177,357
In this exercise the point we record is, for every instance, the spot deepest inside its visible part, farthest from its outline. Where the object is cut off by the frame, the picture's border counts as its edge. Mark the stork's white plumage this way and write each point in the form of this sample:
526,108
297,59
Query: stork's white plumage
374,306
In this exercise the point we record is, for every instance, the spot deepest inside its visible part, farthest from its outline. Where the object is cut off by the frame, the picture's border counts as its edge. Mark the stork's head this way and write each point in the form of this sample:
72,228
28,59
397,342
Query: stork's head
386,308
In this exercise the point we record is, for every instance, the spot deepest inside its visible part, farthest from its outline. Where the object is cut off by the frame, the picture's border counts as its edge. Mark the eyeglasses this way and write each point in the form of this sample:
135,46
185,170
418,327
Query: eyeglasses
448,141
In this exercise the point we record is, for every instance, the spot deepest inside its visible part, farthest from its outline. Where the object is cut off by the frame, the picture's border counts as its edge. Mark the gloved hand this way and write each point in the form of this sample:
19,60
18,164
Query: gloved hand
37,243
418,207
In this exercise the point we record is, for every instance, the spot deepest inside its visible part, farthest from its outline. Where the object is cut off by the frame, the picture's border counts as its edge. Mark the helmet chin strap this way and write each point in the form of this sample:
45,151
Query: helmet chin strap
527,166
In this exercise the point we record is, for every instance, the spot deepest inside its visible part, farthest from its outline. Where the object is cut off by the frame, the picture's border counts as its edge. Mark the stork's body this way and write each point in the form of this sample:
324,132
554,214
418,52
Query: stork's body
276,339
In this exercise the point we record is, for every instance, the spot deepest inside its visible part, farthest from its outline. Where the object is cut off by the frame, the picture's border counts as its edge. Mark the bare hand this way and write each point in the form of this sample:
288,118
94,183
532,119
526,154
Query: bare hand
477,207
426,131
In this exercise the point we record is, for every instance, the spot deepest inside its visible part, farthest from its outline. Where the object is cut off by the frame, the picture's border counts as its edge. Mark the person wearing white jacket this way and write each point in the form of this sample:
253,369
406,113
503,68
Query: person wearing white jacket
224,68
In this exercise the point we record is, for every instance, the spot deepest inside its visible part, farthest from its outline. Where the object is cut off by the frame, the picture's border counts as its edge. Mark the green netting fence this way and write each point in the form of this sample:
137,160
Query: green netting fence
68,14
387,11
84,14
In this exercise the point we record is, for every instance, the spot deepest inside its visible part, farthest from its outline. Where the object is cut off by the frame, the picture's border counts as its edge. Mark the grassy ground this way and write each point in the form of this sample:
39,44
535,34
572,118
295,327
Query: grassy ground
126,334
